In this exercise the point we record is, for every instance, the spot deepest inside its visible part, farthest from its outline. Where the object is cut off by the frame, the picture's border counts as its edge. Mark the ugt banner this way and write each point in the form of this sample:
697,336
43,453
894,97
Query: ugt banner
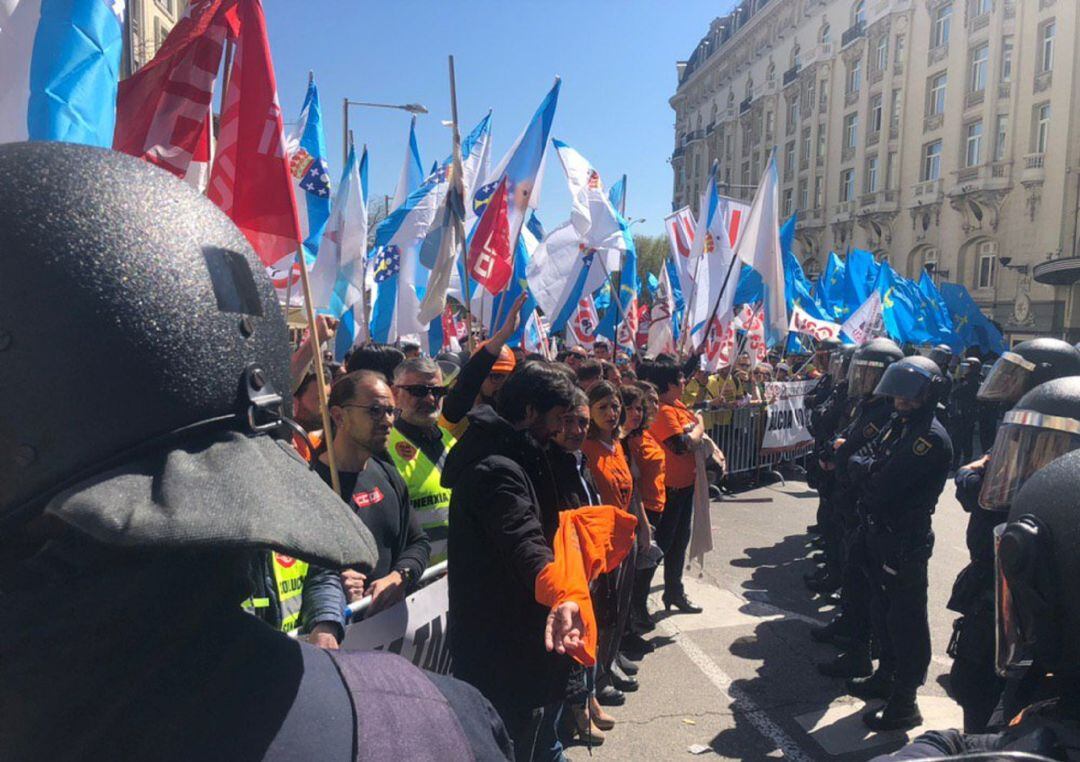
416,629
786,427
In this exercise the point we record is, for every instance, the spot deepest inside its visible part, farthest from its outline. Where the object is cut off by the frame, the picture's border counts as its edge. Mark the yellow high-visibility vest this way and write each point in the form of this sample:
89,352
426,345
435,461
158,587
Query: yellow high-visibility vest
289,576
428,498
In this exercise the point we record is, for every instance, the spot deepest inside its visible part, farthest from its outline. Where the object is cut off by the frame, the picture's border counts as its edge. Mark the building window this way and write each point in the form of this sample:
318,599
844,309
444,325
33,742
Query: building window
821,142
973,135
823,101
882,62
987,264
930,260
789,158
896,109
939,28
1046,45
803,195
847,185
890,171
819,191
981,7
980,57
872,174
931,168
1001,136
875,114
854,76
900,44
1042,127
770,123
789,199
1006,59
795,51
935,102
792,114
858,12
167,6
851,130
825,35
806,146
161,31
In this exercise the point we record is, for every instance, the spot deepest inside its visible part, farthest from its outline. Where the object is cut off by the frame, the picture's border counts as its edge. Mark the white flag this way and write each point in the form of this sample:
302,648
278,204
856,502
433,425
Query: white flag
661,326
759,247
867,322
817,329
591,211
340,265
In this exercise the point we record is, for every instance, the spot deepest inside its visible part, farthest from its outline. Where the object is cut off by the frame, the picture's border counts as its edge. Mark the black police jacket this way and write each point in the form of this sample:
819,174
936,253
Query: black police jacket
868,419
902,475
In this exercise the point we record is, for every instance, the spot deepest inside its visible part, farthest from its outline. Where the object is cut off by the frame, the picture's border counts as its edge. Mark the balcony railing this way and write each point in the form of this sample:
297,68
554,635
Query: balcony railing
1004,88
979,22
933,122
1043,80
845,208
745,105
974,98
995,176
854,32
940,53
928,190
791,75
1034,168
873,138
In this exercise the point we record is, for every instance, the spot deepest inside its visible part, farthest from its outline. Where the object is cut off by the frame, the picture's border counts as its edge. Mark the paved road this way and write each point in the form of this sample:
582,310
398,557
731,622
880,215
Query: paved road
740,679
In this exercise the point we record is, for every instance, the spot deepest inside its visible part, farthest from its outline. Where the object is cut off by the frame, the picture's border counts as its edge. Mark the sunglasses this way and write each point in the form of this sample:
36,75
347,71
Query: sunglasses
423,390
378,412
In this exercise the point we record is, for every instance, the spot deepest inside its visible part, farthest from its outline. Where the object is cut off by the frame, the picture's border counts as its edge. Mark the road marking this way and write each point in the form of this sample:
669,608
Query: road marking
739,700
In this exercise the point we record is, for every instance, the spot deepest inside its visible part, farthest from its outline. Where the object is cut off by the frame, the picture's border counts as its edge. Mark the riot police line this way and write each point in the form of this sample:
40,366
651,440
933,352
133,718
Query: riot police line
881,459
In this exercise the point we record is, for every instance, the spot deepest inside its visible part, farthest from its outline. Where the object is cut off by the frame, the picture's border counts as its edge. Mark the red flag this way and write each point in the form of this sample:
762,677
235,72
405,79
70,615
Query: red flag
490,258
162,108
250,180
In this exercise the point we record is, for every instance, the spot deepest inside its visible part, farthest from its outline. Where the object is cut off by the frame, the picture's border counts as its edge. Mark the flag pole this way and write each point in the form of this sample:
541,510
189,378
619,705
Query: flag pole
230,45
459,224
688,316
316,356
300,250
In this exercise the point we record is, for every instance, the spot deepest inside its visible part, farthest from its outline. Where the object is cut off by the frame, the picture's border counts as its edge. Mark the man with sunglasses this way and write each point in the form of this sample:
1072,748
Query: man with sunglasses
363,413
418,447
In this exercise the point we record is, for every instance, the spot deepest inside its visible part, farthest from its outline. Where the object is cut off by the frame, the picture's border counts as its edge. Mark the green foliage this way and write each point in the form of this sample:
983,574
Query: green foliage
651,252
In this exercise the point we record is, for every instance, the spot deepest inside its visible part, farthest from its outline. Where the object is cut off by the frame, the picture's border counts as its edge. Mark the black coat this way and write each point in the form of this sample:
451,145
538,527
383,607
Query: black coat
503,494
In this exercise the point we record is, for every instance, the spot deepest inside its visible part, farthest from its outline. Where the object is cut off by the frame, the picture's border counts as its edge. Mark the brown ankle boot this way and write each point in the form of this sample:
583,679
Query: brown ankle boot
583,730
600,718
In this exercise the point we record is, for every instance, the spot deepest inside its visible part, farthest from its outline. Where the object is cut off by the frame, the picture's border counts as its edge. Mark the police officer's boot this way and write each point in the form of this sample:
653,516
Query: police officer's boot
900,712
878,686
854,663
827,633
826,584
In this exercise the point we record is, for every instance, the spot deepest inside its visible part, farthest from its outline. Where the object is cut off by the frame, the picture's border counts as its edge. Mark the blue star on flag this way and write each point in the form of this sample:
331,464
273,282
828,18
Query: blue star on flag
387,263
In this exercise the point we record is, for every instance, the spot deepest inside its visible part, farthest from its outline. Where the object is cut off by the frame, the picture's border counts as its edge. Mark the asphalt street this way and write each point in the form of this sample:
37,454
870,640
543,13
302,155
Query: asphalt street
739,681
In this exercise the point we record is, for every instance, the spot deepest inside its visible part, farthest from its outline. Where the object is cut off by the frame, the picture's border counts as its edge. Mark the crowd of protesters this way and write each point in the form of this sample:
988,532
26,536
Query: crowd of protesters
470,458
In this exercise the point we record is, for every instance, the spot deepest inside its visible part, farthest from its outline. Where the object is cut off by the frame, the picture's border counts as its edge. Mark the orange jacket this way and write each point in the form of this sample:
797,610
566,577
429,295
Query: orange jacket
648,456
301,447
610,471
588,542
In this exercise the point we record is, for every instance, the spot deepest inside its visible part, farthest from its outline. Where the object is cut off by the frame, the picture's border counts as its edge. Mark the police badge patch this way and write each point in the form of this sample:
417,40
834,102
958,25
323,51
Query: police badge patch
870,431
921,446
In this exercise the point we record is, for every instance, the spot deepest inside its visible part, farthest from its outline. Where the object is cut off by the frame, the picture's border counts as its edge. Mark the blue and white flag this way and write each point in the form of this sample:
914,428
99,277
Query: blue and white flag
711,258
397,303
759,246
59,69
306,146
591,211
337,279
621,324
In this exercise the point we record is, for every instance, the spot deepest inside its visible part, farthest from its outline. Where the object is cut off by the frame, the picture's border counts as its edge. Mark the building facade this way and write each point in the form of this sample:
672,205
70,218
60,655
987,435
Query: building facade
148,24
940,134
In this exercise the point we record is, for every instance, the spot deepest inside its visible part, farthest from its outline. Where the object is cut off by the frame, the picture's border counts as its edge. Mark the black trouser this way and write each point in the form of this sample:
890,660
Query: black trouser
962,433
673,536
619,584
973,681
901,623
855,588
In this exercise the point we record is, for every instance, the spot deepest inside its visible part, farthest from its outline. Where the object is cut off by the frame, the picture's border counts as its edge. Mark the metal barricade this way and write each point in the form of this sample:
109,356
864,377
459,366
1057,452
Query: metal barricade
737,432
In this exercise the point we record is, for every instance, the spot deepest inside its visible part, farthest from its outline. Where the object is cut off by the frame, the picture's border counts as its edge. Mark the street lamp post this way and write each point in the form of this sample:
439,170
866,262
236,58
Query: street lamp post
412,108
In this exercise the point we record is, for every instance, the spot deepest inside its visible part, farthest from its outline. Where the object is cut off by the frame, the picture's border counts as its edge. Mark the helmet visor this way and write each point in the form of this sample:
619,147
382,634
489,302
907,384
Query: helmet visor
863,377
1013,641
1007,380
836,363
905,381
1026,441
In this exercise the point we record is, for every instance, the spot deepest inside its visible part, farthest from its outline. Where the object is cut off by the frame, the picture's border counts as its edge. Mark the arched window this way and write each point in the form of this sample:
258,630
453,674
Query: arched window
795,51
749,87
986,265
825,35
858,12
770,72
731,98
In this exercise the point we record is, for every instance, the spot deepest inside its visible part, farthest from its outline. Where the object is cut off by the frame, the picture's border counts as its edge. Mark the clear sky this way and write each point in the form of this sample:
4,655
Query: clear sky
616,59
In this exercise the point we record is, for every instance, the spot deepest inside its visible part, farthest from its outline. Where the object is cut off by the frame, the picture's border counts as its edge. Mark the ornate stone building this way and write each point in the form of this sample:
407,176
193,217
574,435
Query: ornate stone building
940,134
148,23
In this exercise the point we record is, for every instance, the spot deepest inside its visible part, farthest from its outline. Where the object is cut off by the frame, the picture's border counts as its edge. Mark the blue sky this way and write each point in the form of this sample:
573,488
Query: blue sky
616,59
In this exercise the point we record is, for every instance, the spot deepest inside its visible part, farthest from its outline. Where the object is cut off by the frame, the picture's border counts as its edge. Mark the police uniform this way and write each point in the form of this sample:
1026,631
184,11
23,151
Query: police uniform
420,459
902,477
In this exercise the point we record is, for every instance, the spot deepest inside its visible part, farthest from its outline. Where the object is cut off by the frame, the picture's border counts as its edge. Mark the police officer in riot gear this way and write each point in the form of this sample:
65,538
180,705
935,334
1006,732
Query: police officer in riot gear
850,630
1027,365
1037,614
1043,425
901,477
963,409
139,472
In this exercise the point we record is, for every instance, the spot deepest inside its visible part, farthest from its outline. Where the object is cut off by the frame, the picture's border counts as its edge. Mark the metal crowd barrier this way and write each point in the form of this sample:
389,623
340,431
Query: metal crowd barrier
738,433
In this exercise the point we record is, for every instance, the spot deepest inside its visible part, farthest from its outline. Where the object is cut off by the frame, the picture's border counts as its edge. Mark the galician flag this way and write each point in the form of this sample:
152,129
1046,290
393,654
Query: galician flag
338,277
710,265
759,247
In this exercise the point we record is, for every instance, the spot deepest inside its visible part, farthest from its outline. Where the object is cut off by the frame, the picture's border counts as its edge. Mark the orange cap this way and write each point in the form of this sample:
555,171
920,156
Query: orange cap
506,362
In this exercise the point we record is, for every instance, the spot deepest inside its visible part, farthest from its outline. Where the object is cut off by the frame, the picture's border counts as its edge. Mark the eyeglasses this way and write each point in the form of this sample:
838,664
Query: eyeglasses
423,390
378,412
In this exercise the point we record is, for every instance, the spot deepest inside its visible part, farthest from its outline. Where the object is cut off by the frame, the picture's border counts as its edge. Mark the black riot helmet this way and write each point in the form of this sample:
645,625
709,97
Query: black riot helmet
1042,426
970,366
1038,559
1029,364
868,364
942,356
839,360
915,378
144,344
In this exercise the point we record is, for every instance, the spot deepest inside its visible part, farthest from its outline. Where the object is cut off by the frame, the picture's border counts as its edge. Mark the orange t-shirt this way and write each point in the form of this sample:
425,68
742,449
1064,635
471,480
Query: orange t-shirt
649,457
301,447
671,421
611,473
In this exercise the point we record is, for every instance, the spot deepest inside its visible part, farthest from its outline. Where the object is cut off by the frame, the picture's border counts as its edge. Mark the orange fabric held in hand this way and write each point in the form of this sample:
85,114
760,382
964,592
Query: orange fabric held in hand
588,542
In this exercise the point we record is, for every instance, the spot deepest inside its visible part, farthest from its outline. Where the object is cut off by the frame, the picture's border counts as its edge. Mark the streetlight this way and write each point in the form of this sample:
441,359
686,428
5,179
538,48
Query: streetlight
635,222
412,108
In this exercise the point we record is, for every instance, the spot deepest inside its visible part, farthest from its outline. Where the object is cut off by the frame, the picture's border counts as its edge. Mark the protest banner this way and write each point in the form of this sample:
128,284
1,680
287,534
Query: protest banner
786,428
416,628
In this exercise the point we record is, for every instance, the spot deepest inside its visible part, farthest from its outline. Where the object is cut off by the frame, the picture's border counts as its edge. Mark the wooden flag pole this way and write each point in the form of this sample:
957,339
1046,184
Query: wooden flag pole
459,224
